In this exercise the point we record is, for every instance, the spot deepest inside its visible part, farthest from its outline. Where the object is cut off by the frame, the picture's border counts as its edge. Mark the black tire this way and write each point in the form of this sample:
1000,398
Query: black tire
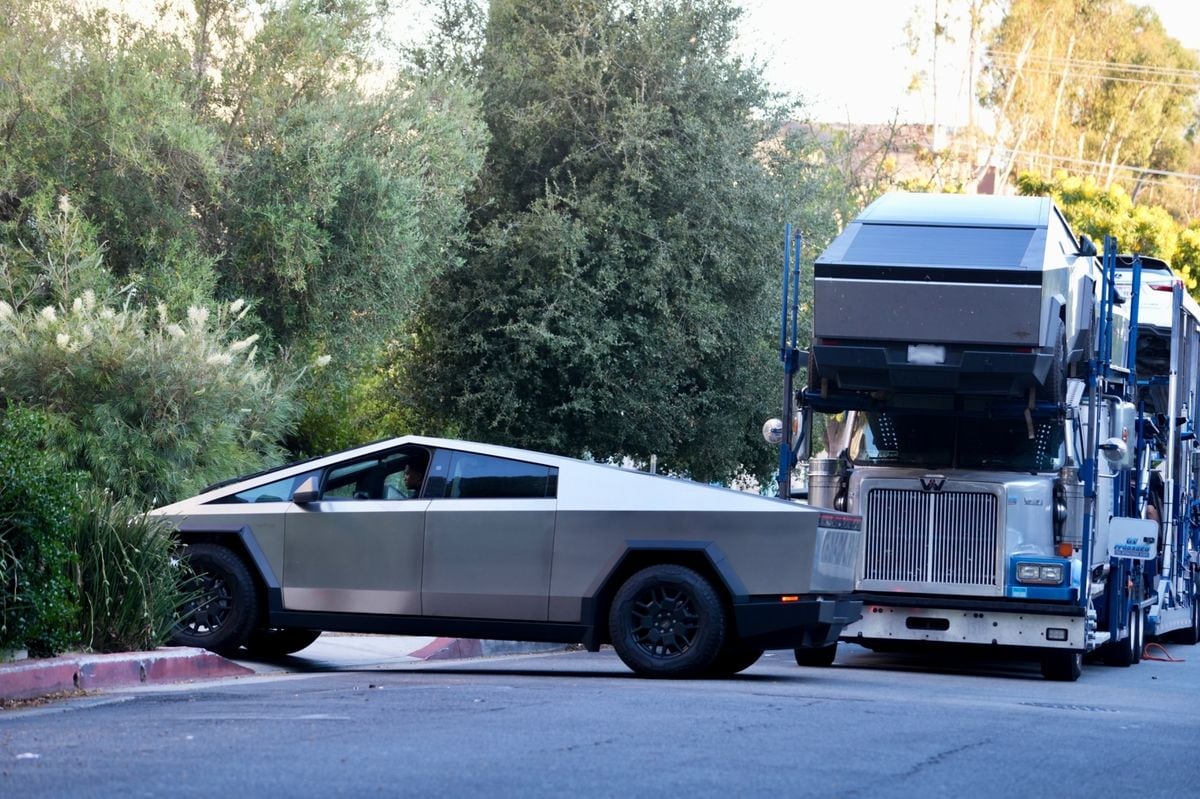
668,621
1191,635
272,642
819,656
1139,639
1062,665
1055,388
734,659
1124,652
814,378
224,608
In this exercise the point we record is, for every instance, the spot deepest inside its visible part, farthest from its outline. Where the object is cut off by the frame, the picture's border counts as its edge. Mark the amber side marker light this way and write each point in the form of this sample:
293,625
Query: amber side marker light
790,598
1065,549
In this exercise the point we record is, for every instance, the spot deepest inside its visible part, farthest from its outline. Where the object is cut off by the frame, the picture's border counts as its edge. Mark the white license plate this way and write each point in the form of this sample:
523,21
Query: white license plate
926,354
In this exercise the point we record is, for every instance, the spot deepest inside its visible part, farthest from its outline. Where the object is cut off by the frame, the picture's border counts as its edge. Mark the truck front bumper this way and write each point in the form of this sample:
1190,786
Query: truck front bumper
1049,627
810,621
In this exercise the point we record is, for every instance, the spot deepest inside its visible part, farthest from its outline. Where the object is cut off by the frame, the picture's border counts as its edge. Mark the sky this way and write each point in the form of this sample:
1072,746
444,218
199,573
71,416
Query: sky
848,59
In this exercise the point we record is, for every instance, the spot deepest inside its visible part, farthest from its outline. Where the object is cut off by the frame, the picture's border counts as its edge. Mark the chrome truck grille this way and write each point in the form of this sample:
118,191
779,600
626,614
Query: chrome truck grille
933,541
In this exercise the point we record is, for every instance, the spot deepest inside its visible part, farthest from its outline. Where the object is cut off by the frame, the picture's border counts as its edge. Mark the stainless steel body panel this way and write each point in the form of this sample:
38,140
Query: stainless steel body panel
772,552
351,556
928,312
488,559
985,277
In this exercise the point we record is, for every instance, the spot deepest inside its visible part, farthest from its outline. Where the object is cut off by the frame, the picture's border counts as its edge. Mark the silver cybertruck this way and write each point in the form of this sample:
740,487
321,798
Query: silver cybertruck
425,536
954,294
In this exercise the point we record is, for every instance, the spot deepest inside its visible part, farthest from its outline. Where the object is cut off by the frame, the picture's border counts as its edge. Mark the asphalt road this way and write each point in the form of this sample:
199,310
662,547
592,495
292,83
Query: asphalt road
579,724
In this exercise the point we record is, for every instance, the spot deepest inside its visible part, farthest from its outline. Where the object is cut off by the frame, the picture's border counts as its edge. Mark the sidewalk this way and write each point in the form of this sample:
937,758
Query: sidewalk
72,673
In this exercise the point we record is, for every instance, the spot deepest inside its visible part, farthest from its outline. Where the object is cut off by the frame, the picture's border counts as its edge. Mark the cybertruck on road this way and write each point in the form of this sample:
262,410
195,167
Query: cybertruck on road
425,536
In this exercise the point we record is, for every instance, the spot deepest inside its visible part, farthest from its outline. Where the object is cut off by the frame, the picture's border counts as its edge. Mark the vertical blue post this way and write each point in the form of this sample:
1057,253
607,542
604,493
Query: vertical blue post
785,444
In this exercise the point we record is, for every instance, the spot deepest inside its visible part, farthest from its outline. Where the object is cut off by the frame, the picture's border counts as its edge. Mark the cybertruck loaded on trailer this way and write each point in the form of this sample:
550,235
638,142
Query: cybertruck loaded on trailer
980,355
954,294
425,536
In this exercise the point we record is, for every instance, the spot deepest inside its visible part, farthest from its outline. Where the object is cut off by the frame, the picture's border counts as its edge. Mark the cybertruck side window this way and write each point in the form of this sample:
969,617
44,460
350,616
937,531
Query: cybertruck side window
474,476
278,491
379,476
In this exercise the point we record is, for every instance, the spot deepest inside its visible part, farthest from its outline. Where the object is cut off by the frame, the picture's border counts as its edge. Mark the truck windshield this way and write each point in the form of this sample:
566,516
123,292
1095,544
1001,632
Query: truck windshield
957,442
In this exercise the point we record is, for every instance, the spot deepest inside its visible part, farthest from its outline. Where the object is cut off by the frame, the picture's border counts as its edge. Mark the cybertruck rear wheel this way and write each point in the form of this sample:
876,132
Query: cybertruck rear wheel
668,621
223,604
271,642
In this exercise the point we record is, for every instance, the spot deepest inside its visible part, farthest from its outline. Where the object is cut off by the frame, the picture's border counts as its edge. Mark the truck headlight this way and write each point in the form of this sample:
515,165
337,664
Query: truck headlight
1040,573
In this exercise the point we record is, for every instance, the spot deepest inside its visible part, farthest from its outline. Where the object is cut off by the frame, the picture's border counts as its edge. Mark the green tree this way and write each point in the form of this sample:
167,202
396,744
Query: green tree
345,187
1092,86
152,405
1138,228
94,105
620,293
229,148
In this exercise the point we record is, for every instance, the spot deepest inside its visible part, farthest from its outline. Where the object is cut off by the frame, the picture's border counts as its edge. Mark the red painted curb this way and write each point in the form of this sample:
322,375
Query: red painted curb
29,679
449,649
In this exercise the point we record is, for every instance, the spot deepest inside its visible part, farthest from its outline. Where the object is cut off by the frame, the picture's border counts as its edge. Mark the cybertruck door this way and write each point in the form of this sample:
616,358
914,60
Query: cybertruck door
489,538
359,547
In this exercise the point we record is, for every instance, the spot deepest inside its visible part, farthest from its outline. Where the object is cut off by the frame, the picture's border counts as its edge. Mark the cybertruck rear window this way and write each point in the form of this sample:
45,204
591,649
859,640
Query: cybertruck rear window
931,245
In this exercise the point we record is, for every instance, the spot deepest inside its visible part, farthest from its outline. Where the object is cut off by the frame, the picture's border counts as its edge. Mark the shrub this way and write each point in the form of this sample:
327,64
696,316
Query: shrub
156,407
129,589
39,507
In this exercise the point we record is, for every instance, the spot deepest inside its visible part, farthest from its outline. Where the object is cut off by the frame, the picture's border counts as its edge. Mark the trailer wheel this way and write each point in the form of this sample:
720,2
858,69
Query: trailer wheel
1126,651
819,656
668,621
1062,665
1191,635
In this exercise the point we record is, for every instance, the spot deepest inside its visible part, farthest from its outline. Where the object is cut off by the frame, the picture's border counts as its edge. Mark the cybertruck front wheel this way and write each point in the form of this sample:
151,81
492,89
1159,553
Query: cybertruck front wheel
222,607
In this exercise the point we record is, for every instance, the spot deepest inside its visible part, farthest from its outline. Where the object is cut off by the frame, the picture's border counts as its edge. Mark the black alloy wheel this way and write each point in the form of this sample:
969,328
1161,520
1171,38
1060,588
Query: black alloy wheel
223,604
668,621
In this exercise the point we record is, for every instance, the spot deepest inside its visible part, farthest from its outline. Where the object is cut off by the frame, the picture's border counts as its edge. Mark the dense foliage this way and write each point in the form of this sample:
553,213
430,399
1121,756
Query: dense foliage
620,291
129,586
152,405
39,508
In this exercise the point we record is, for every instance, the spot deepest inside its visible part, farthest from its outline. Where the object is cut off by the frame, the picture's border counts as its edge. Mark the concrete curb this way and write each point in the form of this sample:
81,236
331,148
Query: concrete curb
462,648
44,677
30,679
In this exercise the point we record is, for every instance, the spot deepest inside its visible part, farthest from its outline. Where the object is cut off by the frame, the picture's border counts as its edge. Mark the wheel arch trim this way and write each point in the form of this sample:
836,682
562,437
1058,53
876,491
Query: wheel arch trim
241,537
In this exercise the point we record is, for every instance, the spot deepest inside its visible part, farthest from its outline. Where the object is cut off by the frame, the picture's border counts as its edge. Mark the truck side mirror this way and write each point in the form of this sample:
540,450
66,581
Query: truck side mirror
1086,246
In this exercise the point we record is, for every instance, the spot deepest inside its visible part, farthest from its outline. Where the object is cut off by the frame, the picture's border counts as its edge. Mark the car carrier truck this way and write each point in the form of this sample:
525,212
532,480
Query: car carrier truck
1023,487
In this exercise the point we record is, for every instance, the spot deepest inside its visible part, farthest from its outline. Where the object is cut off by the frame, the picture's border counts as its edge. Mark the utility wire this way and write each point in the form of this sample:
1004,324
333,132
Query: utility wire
1156,176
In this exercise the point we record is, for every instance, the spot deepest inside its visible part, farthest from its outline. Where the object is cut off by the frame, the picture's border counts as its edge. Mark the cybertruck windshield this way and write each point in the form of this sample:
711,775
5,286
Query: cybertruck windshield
943,442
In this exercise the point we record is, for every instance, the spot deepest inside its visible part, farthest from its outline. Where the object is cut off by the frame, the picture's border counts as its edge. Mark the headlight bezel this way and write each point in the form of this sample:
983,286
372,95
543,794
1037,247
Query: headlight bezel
1039,573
